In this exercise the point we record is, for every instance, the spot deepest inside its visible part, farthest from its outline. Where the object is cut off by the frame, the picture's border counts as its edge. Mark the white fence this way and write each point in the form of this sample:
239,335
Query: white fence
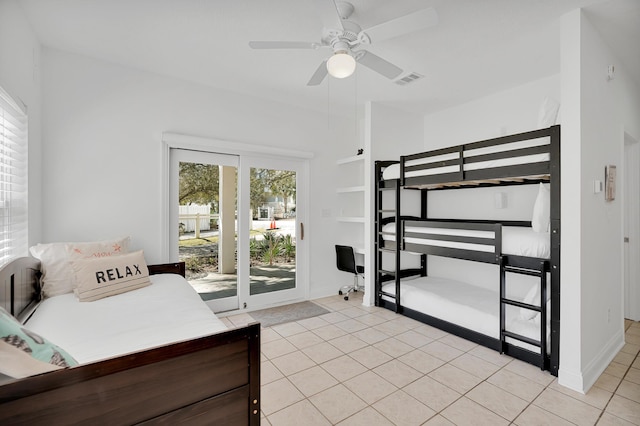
191,215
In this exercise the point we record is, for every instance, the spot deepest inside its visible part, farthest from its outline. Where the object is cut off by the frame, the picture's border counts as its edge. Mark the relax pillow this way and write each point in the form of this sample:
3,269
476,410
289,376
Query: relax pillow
24,353
540,221
57,276
97,278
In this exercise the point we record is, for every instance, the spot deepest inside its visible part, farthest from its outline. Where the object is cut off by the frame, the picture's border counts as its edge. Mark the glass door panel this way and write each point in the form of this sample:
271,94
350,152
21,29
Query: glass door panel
205,197
272,230
273,205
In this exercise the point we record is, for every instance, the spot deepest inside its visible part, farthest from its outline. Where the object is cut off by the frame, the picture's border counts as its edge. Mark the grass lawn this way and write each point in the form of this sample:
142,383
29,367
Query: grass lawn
194,242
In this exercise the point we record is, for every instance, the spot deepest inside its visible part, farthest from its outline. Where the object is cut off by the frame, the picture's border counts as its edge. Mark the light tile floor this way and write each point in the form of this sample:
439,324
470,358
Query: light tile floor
368,366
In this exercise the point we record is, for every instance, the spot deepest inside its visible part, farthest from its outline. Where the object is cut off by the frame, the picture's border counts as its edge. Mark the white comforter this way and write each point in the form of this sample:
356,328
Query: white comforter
167,311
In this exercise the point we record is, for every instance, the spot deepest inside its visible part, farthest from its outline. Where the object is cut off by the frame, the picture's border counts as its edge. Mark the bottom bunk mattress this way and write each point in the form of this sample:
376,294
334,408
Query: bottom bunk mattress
167,311
469,306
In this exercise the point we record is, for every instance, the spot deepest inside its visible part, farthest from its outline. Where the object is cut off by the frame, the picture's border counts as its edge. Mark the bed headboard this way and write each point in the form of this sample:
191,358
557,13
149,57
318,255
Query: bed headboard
20,286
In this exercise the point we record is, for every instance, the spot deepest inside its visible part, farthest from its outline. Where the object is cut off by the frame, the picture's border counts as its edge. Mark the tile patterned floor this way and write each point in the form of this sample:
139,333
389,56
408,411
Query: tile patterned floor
362,365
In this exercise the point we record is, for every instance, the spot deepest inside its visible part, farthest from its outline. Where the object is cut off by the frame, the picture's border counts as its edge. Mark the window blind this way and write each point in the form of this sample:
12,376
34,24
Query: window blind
13,180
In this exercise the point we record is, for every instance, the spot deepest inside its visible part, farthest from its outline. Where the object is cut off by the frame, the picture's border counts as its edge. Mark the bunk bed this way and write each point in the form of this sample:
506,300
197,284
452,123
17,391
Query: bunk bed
525,327
210,377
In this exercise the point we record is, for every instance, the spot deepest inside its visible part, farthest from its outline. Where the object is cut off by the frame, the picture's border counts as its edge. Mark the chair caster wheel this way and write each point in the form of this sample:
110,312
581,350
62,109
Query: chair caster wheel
346,298
355,289
340,292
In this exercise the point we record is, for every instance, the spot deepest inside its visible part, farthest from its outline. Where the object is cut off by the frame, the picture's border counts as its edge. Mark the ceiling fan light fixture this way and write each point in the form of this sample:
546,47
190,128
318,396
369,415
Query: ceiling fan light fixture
341,64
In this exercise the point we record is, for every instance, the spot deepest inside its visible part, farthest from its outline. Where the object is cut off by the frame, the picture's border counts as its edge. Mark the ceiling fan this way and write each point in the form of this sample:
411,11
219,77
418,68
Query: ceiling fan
346,38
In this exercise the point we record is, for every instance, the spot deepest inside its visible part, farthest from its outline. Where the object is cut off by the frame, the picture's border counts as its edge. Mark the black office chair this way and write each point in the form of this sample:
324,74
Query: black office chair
346,261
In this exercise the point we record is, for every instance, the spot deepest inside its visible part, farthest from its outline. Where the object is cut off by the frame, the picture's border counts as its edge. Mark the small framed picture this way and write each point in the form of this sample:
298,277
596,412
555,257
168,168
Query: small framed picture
610,183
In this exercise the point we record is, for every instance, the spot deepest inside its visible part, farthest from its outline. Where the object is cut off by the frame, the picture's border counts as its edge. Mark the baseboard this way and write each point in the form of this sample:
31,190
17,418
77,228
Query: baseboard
596,367
582,381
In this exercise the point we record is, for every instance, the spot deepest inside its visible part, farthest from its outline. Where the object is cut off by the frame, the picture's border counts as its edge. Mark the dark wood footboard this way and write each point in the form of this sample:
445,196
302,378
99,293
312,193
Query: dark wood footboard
210,380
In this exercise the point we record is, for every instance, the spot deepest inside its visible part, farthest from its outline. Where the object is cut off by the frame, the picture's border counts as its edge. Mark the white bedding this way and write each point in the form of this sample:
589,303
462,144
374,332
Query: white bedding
516,240
466,305
393,171
167,311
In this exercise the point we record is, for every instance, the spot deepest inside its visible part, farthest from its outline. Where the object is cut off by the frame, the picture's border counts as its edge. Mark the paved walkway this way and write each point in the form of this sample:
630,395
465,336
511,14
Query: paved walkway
264,278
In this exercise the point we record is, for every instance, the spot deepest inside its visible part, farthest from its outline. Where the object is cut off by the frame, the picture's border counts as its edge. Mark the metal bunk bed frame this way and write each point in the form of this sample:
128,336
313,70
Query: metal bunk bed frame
531,173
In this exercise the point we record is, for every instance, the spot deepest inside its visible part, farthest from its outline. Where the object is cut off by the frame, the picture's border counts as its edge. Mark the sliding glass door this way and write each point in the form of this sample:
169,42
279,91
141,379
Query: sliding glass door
238,225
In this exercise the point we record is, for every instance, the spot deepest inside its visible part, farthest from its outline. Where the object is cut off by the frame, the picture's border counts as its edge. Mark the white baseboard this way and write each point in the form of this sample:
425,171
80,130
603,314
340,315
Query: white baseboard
594,369
582,382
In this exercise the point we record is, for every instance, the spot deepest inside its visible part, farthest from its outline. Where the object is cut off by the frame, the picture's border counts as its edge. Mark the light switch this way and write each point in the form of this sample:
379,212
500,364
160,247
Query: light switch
597,186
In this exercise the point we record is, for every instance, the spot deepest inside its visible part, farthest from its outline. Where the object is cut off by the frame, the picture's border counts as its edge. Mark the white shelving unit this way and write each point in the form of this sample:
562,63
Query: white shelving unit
352,214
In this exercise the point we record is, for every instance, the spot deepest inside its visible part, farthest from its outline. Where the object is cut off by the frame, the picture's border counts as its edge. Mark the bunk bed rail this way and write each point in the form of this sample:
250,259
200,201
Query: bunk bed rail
479,242
513,159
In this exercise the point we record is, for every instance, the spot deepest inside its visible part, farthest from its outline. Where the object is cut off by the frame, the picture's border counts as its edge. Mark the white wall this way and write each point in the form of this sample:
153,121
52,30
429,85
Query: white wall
103,171
507,112
601,111
20,77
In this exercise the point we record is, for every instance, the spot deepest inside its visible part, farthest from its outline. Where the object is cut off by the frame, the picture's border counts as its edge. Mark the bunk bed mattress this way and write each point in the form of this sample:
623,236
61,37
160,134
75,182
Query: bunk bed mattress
393,171
466,305
167,311
516,240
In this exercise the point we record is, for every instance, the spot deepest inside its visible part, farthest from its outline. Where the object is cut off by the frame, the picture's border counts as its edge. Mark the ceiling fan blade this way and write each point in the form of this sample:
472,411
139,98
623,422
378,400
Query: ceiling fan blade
403,25
329,15
377,64
283,45
319,75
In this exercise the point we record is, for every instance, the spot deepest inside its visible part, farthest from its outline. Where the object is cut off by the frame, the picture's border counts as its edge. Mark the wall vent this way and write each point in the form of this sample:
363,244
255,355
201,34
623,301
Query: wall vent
409,78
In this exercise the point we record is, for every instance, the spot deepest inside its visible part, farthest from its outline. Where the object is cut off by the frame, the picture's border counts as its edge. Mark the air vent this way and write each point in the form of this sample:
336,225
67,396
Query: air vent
409,78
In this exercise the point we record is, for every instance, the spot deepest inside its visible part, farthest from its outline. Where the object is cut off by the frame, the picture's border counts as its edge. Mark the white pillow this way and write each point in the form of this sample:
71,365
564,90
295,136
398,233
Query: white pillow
532,298
97,278
548,113
57,276
540,220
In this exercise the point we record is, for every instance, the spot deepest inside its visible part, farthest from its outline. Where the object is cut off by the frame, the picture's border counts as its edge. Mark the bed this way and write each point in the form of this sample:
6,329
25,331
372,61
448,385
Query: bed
506,316
164,358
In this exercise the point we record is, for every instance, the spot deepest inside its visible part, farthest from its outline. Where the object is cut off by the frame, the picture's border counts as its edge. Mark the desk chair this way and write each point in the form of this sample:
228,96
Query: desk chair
346,261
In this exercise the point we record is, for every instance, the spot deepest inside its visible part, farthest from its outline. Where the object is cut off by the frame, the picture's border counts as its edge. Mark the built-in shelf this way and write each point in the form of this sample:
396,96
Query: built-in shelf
350,189
353,159
353,219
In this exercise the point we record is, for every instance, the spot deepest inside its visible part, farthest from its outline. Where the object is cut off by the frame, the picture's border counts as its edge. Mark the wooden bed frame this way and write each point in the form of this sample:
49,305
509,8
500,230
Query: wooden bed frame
522,174
209,380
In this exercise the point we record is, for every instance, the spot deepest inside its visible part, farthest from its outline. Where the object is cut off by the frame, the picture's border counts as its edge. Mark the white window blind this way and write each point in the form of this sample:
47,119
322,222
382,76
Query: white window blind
13,179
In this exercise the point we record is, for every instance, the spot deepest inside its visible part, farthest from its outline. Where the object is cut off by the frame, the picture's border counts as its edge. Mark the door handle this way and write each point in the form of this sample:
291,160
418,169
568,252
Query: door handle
301,231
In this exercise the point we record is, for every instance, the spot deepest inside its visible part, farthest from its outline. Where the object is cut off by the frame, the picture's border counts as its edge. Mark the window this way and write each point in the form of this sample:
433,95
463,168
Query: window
13,179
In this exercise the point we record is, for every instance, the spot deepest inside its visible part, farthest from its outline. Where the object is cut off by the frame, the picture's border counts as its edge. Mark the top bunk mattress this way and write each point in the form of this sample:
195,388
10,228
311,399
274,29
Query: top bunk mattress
393,171
167,311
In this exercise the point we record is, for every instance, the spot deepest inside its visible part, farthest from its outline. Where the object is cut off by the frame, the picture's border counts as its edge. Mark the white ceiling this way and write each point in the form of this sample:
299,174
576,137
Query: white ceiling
477,48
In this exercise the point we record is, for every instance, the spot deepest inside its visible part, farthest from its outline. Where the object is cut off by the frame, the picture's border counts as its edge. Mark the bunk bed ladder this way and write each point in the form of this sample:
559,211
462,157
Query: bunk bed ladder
532,267
382,215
